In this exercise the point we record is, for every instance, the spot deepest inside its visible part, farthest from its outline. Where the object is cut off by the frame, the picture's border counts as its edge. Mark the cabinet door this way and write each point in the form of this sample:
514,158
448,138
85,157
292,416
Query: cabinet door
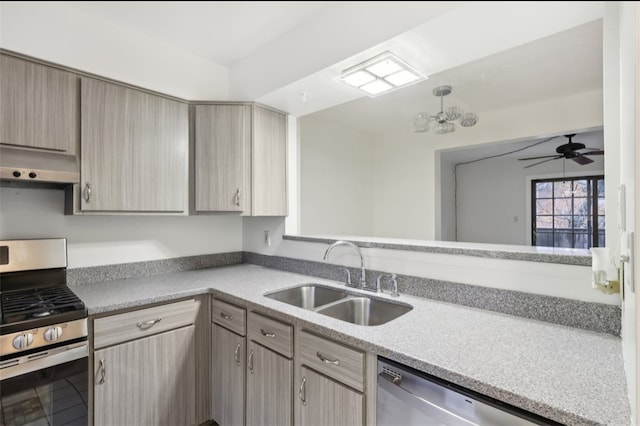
134,150
148,381
269,387
38,106
327,402
269,159
222,135
227,377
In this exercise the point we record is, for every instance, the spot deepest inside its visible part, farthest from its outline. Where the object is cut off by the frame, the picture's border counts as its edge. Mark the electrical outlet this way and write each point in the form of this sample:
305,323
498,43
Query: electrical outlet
267,238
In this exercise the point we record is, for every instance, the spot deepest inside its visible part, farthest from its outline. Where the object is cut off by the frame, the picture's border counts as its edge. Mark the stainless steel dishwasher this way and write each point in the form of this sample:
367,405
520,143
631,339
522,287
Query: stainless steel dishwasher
410,397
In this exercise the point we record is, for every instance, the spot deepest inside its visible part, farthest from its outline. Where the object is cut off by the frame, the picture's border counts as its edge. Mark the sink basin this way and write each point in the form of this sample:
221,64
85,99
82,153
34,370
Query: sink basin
365,311
308,296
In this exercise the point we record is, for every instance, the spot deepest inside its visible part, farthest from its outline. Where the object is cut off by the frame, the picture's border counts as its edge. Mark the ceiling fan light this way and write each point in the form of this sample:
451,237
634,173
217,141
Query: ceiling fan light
454,113
469,119
421,122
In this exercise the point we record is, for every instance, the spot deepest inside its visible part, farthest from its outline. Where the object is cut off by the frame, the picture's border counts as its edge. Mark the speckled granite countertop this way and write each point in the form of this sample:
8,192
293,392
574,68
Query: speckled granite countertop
565,256
562,373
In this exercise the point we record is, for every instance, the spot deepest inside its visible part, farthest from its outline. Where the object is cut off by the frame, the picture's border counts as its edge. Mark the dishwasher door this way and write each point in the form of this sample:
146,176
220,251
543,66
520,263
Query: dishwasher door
407,397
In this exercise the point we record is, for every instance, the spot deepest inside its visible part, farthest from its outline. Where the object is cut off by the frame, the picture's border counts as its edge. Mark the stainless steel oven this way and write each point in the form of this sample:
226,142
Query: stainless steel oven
43,337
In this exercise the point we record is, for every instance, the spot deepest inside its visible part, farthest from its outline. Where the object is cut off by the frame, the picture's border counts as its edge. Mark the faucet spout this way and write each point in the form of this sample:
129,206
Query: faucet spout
363,281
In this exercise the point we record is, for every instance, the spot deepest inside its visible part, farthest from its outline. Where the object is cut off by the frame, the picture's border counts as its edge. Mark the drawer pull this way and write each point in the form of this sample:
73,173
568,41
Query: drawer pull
303,391
326,360
148,324
236,354
250,363
225,316
87,192
103,372
267,333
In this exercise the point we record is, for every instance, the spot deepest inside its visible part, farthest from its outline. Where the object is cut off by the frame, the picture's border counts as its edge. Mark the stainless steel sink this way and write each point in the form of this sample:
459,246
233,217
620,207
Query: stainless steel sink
365,311
308,296
340,304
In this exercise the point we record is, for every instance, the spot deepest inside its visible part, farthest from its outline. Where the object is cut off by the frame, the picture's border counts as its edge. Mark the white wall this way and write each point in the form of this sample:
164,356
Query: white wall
60,33
493,196
447,218
406,178
623,33
335,179
104,240
402,203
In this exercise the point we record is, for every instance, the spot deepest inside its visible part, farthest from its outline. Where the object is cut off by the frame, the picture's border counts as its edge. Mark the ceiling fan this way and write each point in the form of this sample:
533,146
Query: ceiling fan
570,151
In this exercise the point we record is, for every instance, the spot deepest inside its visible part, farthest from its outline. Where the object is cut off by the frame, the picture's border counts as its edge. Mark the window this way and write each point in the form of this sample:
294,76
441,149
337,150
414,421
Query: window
568,212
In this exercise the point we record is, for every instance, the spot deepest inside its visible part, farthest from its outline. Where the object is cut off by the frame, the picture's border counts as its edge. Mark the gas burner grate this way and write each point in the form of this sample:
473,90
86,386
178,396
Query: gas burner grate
20,305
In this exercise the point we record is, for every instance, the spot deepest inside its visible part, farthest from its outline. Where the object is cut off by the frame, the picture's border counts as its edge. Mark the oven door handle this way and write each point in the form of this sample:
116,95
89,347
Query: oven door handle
42,360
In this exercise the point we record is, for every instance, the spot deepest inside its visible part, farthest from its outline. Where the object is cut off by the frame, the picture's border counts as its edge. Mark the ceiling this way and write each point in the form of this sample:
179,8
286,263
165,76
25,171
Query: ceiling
593,140
562,64
221,31
477,47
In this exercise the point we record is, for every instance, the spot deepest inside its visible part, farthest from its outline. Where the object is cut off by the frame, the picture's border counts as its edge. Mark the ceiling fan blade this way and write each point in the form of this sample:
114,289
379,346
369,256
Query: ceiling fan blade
543,161
539,158
582,160
593,153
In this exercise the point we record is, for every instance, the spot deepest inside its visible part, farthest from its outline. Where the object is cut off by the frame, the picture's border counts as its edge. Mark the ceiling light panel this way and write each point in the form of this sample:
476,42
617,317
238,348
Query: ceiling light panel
401,78
376,87
359,78
384,68
381,74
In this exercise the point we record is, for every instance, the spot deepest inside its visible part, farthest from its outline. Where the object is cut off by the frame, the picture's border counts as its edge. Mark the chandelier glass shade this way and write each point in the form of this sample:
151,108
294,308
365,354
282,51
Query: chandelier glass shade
445,118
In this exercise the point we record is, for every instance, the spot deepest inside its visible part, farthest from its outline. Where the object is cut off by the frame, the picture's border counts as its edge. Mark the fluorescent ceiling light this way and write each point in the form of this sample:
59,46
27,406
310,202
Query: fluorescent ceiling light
359,78
384,68
376,87
401,78
381,74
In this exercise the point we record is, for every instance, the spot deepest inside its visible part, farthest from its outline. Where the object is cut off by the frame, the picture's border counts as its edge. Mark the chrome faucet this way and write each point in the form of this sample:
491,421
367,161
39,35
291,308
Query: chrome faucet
363,280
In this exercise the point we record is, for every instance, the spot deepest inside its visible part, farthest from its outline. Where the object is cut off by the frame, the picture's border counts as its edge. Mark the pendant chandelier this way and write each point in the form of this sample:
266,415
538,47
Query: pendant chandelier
444,119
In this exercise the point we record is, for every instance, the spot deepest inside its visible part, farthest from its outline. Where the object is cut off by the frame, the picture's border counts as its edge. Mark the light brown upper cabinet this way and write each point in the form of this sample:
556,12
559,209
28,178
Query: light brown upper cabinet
134,150
269,163
240,159
222,157
38,106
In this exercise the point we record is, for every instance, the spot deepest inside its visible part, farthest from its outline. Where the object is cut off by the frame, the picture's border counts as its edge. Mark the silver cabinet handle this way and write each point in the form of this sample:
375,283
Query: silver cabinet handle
236,354
148,324
326,360
87,192
303,391
237,197
103,371
267,333
250,362
225,316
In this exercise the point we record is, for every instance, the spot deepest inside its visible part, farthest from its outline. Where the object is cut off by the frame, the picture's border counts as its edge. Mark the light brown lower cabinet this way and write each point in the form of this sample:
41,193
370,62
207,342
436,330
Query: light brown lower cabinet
227,377
269,387
327,402
148,381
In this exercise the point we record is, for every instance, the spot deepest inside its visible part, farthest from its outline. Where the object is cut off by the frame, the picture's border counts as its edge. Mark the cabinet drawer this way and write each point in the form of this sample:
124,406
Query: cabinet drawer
272,334
229,316
336,360
143,322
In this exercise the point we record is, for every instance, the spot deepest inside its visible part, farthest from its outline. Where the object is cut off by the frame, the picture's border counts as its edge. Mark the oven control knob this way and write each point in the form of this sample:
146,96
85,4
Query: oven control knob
21,341
52,334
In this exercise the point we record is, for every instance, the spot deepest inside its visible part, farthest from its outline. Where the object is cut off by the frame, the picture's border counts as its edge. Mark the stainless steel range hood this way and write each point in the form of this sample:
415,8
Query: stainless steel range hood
30,168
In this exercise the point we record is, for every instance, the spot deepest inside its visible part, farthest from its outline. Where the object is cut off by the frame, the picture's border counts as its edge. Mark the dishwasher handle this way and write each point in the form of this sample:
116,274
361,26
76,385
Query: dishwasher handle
433,411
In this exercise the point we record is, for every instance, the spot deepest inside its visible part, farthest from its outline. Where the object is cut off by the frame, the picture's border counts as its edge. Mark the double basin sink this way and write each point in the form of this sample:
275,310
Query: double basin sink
340,304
